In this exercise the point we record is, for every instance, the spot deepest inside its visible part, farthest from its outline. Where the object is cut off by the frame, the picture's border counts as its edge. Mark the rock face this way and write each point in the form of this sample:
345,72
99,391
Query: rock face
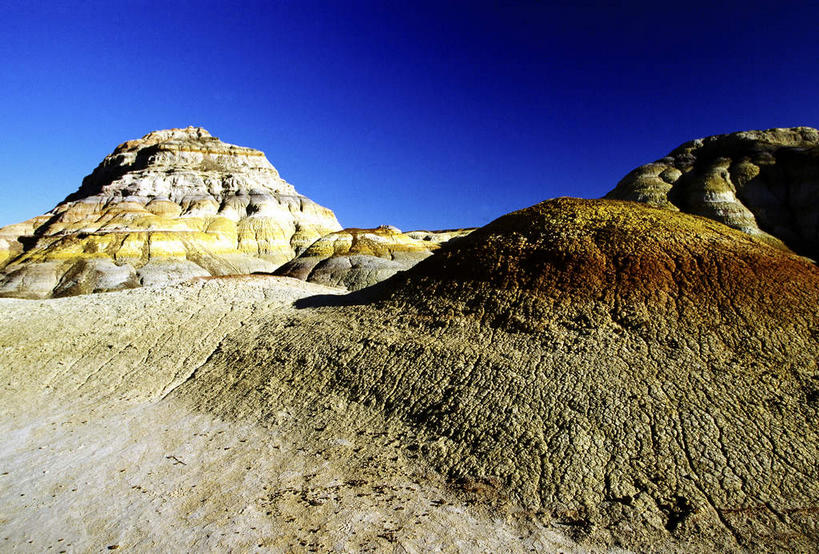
764,183
172,205
357,258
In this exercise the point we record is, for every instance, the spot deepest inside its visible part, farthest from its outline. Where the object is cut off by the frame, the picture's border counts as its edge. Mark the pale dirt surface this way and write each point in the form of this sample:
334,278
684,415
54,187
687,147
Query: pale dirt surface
97,450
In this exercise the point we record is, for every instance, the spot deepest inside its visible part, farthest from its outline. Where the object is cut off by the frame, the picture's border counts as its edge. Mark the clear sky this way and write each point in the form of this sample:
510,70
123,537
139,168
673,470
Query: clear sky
417,114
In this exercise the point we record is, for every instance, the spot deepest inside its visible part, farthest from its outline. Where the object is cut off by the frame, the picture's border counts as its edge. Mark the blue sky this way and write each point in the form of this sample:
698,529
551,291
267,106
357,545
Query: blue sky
416,114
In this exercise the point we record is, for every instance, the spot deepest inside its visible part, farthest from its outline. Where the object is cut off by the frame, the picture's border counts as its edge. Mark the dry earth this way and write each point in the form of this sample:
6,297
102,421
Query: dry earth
98,449
623,375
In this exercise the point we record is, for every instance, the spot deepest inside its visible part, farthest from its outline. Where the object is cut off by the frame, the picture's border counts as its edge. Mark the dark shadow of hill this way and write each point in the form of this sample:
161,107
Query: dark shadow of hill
361,297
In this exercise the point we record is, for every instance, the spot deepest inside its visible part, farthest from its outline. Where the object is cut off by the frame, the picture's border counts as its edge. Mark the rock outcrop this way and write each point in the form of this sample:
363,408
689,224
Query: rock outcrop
172,205
357,258
764,183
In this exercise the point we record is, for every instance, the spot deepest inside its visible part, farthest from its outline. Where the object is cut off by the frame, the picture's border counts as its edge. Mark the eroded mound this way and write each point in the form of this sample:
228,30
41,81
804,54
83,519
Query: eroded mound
641,376
649,370
357,258
761,182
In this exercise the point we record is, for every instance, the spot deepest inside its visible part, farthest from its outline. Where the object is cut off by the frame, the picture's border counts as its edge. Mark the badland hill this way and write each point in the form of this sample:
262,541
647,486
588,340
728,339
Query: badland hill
578,375
170,206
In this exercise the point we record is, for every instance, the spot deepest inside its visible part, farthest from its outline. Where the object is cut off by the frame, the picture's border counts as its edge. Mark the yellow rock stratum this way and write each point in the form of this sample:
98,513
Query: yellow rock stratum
357,258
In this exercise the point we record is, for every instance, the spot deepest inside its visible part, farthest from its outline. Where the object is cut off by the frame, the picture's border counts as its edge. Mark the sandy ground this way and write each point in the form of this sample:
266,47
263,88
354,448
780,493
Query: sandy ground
97,453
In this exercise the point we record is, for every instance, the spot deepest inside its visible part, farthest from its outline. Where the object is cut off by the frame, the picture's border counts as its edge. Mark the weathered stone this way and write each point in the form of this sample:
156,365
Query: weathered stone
178,196
764,183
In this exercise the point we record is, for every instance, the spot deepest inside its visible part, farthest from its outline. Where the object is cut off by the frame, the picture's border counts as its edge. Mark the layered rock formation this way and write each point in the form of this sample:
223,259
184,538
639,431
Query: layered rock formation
172,205
357,258
764,183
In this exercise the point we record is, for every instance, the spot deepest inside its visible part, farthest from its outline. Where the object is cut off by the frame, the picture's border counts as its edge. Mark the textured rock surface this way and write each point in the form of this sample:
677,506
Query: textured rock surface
172,205
97,450
630,375
357,258
764,183
640,372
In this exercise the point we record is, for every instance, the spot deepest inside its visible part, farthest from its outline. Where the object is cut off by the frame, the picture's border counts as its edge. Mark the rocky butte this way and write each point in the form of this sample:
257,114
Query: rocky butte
172,205
579,375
